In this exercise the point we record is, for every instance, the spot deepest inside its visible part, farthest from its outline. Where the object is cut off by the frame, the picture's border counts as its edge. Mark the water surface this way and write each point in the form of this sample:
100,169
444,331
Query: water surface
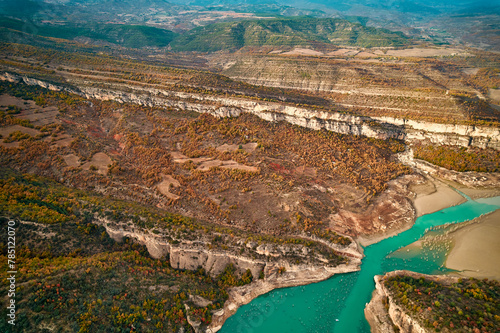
337,304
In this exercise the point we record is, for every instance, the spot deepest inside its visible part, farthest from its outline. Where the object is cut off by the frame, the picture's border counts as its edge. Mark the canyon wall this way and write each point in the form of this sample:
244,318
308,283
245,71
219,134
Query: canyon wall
221,106
469,178
389,317
275,261
343,123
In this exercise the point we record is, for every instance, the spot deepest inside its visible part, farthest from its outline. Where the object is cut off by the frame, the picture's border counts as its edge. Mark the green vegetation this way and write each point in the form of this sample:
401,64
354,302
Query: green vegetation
118,286
301,31
465,306
228,277
459,158
285,32
134,36
72,274
118,70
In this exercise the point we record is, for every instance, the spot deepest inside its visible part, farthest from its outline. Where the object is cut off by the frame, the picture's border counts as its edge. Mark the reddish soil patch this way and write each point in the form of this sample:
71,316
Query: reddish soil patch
96,132
118,137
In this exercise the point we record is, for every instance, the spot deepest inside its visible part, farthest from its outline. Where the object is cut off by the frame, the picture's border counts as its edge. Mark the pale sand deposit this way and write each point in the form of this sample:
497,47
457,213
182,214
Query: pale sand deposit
72,160
474,193
494,94
101,161
434,196
205,166
344,52
470,71
431,196
363,54
164,186
476,250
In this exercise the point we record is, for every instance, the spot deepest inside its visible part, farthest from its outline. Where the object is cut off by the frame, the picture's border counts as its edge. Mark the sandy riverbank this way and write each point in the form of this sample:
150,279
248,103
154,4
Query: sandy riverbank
474,193
430,196
476,249
435,195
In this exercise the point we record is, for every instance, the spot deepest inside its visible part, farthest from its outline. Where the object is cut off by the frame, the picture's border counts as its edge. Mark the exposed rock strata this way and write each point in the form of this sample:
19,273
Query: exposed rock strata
469,179
392,212
295,275
376,127
192,255
383,318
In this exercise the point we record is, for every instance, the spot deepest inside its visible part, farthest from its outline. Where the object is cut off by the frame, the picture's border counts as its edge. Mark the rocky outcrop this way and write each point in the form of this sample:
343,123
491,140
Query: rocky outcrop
375,127
276,262
469,178
157,248
384,315
214,262
185,255
378,315
222,106
391,212
33,82
451,134
294,275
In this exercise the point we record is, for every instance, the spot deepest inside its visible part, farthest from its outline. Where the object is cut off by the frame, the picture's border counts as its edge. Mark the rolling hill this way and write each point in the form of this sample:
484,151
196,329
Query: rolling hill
285,32
134,36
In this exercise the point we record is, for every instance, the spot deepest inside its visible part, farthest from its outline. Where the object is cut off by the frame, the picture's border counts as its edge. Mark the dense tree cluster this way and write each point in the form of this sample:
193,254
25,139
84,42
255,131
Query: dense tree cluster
459,158
94,293
469,305
359,161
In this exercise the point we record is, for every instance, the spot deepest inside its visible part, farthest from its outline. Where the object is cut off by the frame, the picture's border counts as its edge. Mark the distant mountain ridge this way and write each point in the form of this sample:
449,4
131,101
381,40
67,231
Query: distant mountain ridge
225,36
286,32
134,36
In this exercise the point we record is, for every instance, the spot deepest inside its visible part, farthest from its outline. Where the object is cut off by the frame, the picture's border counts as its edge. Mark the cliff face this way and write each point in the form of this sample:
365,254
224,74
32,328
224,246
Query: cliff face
374,127
220,106
385,317
269,258
294,275
192,255
189,256
469,179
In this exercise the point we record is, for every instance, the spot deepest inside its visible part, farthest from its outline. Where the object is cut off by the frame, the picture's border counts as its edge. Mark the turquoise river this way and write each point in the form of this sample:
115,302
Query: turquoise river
337,304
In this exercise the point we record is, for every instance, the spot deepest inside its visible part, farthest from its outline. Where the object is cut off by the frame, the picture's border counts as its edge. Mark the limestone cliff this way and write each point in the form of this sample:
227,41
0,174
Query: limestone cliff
384,315
384,318
294,275
469,179
277,262
222,106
